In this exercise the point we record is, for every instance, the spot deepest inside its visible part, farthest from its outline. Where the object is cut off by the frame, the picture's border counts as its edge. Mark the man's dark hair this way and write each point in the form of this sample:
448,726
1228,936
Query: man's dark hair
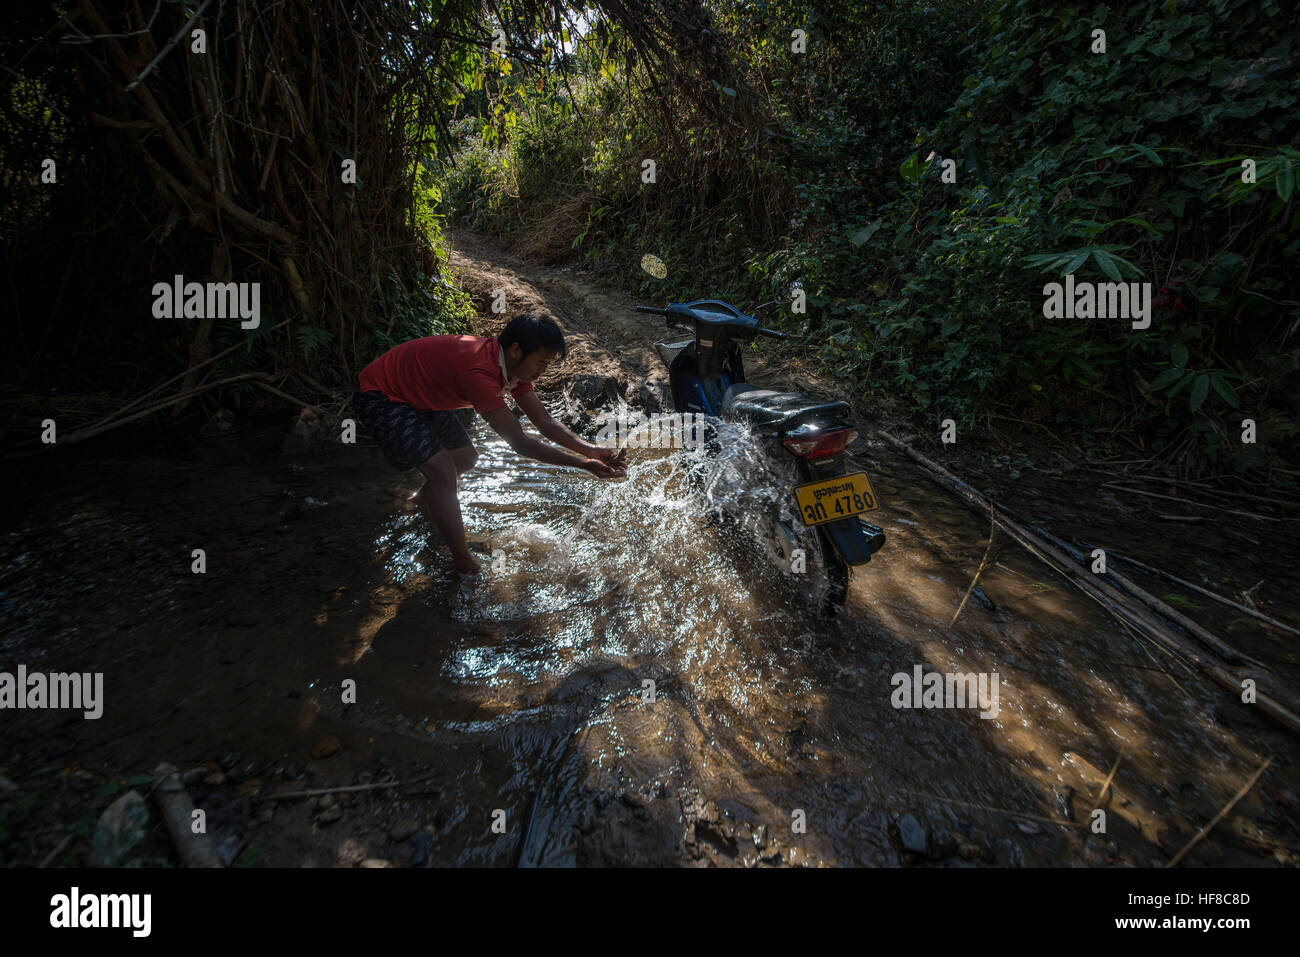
533,331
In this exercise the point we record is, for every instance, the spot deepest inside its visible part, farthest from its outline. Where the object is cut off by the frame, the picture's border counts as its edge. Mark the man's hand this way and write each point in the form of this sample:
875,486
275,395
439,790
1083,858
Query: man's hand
611,456
507,426
604,469
561,436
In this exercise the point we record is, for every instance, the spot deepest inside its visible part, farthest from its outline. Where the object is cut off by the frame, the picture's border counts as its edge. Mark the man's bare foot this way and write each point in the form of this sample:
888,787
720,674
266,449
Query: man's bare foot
466,564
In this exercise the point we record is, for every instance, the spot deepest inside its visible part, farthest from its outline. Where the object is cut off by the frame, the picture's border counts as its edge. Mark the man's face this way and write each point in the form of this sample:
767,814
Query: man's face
528,367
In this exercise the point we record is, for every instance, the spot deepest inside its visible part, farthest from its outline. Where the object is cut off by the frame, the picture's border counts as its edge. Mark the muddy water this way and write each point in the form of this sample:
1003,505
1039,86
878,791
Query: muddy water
520,699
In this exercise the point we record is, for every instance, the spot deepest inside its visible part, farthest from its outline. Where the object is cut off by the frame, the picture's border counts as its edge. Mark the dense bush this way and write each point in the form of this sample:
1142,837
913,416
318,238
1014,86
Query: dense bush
1122,165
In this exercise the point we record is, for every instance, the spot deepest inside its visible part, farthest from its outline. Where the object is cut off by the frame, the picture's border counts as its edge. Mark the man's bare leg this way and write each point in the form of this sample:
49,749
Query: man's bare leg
441,506
464,457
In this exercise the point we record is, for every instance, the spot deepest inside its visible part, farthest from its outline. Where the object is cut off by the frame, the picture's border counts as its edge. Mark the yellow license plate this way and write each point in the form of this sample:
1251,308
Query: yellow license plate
832,499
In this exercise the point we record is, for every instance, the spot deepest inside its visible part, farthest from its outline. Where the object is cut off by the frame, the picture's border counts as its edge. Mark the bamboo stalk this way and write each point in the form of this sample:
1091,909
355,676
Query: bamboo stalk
1205,591
993,530
1229,653
1188,501
168,48
1101,795
1105,594
162,385
314,792
1245,788
82,434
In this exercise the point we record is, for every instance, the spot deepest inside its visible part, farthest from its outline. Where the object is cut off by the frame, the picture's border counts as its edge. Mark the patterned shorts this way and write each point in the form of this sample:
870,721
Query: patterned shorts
407,435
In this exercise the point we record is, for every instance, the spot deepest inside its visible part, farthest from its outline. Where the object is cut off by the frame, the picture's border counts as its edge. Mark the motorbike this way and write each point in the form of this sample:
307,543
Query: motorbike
707,376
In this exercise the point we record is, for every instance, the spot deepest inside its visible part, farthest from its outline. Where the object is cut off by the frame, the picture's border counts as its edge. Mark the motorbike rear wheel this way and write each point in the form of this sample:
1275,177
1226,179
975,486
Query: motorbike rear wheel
837,580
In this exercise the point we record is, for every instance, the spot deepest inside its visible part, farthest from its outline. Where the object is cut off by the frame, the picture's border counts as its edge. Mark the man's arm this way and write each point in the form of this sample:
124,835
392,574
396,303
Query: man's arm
558,433
555,431
505,424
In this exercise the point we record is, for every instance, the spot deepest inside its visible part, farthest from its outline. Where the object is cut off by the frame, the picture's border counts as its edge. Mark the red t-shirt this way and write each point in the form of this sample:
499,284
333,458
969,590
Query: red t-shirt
443,372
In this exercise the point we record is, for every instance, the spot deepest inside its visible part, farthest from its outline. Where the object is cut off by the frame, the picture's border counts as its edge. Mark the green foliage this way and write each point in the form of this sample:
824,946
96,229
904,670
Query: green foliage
436,306
1110,167
311,339
258,344
252,854
474,184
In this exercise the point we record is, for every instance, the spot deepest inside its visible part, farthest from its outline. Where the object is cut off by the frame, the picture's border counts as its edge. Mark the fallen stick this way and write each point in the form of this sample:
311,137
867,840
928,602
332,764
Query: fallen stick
318,791
1082,774
162,385
55,853
1203,591
177,810
1102,592
1245,788
1101,795
82,434
1205,637
1211,488
314,384
993,530
284,395
1194,503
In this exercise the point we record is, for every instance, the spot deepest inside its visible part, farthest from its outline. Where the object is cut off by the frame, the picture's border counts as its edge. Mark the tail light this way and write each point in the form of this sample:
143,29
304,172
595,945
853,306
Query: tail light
821,445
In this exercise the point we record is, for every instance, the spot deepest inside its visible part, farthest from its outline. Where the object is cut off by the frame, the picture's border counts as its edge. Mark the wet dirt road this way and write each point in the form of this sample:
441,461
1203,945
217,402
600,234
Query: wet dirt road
513,711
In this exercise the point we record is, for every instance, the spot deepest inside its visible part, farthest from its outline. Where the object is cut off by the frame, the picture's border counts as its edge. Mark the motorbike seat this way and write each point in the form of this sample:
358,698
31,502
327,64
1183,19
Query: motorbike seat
768,408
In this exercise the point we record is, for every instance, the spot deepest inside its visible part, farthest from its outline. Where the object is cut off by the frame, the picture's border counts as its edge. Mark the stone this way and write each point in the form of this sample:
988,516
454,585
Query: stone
121,827
592,390
912,834
223,423
402,831
327,746
312,431
419,847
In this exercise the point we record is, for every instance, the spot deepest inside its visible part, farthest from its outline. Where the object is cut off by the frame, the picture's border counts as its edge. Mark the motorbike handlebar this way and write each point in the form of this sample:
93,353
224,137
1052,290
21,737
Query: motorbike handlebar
758,330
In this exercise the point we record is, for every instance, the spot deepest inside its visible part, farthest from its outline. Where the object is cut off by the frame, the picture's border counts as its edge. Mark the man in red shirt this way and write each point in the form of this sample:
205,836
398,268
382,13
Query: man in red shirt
405,397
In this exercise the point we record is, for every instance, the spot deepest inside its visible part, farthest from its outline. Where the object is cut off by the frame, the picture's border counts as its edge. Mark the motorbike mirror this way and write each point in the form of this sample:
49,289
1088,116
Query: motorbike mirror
654,266
765,305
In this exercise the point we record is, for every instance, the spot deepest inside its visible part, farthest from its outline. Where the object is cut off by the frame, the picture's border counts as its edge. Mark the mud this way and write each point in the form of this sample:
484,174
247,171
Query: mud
512,712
